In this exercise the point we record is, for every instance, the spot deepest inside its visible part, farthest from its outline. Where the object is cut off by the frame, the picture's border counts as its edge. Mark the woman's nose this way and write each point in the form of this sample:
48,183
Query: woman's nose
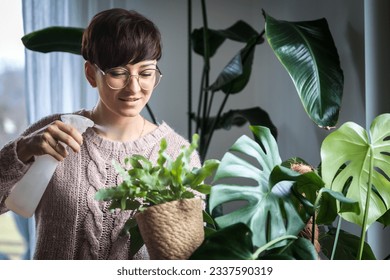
133,83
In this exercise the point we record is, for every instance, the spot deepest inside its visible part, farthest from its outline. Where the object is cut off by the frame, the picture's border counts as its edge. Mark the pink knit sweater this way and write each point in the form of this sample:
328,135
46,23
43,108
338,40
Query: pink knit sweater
70,223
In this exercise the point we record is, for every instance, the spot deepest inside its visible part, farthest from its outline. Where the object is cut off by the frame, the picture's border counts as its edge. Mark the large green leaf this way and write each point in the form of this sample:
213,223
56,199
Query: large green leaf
231,243
347,246
235,243
269,212
239,31
307,51
54,39
255,116
364,159
310,192
298,249
327,212
236,74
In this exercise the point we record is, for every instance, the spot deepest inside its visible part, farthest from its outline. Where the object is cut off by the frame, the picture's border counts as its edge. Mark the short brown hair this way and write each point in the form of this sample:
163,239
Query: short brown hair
117,37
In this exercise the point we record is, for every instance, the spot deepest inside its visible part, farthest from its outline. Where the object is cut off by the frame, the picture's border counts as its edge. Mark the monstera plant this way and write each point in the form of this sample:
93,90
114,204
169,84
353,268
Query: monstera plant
356,163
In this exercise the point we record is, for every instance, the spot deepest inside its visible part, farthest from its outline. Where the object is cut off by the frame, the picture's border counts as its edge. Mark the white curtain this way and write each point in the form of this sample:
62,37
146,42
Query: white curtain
55,82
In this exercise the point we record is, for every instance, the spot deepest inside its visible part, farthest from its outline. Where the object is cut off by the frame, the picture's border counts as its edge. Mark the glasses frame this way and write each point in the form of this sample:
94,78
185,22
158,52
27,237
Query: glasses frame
105,73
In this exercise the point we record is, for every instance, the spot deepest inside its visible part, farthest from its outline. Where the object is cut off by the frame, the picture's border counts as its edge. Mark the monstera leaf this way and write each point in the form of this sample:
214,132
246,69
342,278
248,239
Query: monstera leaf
357,163
307,51
269,211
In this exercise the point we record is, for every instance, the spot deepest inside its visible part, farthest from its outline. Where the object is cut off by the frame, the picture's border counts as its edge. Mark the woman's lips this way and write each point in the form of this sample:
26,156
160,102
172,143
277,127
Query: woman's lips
130,99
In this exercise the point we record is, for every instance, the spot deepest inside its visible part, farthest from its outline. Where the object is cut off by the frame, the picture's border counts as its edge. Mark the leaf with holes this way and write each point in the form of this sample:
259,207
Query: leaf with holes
363,158
269,211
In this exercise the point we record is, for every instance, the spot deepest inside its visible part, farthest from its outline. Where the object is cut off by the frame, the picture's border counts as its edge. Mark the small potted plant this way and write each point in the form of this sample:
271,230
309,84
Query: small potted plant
165,199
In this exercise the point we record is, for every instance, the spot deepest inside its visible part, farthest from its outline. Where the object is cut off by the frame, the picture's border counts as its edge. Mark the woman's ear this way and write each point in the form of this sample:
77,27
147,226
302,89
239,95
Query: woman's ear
90,73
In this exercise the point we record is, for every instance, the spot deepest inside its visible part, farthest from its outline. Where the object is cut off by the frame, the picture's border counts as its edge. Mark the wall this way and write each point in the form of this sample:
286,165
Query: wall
377,57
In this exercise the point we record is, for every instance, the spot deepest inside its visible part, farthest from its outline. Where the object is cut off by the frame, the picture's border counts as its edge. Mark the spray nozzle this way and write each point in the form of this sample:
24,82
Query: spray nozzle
79,122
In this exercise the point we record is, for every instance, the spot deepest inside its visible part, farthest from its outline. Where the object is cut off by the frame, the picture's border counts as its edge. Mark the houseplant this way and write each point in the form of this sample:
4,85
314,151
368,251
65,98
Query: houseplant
230,81
351,182
163,200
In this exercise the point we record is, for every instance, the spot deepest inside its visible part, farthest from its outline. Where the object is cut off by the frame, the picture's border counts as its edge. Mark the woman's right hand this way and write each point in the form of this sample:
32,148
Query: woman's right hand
47,141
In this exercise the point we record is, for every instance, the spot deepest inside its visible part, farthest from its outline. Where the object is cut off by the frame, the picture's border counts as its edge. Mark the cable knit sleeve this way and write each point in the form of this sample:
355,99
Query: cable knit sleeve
12,169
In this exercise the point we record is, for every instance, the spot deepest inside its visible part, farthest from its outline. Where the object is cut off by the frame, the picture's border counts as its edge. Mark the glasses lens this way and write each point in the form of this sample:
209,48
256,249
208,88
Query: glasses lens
149,79
117,78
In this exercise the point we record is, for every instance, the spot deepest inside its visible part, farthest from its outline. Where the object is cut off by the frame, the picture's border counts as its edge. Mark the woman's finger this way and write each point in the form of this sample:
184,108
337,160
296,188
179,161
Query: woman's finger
66,134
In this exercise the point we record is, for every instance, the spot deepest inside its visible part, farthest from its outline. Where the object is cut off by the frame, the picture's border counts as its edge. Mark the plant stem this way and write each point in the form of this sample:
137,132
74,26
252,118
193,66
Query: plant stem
205,120
205,84
189,4
313,228
198,113
205,36
336,239
367,206
210,104
214,124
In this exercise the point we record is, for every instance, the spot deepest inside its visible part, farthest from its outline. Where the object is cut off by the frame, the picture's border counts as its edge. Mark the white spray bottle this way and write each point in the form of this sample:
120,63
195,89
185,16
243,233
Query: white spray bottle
26,194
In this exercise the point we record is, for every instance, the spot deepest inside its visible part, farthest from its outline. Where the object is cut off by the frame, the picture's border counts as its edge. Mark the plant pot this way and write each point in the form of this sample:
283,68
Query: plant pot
173,230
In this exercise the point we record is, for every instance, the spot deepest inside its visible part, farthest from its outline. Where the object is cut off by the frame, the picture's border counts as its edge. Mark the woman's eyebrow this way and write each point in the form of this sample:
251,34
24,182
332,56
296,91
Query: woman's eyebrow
147,65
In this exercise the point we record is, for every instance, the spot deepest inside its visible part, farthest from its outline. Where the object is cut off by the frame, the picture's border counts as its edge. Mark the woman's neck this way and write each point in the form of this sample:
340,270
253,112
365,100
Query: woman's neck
116,127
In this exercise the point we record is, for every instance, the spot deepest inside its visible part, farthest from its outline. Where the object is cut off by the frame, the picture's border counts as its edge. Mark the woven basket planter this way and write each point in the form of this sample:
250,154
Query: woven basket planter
173,230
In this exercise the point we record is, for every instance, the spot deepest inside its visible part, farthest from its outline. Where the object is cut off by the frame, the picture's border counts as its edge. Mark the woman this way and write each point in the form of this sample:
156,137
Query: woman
121,49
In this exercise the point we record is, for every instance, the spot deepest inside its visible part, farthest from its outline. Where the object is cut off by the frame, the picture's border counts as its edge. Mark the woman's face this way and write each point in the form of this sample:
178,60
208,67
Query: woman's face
130,100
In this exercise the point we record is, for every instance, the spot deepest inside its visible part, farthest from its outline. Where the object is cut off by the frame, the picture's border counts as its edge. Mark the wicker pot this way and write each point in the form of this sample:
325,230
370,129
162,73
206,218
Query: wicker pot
173,230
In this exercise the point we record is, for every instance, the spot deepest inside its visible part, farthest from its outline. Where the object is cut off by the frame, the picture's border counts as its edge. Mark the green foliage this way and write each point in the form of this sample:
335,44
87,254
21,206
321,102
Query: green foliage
356,163
297,249
363,157
239,32
231,243
279,200
232,79
145,184
54,38
235,243
267,204
347,246
307,51
310,196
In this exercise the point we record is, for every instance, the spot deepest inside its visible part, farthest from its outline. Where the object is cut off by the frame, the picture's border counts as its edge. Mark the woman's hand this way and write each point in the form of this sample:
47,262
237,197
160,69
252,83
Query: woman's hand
47,141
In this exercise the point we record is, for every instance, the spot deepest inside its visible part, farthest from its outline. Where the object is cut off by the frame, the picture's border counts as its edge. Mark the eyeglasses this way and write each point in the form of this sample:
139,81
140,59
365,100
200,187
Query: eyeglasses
119,77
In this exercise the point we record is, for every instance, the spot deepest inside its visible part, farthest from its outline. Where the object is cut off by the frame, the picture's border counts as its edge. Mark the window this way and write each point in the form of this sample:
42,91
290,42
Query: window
13,117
